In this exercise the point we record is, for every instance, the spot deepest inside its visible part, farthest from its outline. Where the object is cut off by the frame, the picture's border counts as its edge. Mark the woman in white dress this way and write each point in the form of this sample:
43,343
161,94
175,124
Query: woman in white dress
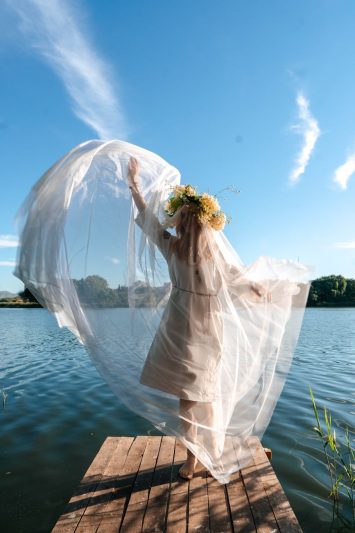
219,358
184,356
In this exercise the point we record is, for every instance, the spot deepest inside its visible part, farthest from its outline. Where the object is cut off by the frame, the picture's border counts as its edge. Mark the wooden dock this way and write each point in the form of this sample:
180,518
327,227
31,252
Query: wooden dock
133,486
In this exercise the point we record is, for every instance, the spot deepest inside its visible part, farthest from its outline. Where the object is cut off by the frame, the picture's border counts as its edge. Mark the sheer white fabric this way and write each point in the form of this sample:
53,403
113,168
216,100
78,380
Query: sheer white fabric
192,348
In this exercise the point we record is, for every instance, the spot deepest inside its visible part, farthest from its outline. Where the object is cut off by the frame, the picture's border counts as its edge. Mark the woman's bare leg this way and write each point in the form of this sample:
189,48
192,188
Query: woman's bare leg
206,415
209,422
190,431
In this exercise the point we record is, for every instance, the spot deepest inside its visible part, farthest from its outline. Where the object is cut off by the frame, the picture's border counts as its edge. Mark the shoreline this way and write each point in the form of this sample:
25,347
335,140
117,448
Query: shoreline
7,305
35,305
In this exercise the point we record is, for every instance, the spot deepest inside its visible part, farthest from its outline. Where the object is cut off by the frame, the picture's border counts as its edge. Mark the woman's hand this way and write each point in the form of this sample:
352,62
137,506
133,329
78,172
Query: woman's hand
132,179
260,291
133,172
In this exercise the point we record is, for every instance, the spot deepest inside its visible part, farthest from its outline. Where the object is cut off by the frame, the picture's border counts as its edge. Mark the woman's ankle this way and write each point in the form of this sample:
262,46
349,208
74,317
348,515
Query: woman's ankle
191,457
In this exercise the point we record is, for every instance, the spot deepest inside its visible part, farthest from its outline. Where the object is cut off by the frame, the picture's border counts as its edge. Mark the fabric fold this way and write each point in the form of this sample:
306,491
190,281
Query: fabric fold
190,346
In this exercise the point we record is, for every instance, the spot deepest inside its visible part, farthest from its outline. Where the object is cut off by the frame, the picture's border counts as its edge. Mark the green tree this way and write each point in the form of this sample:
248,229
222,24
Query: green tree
27,296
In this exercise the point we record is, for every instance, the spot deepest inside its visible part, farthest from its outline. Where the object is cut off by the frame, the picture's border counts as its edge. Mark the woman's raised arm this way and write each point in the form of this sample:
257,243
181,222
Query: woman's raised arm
145,219
132,178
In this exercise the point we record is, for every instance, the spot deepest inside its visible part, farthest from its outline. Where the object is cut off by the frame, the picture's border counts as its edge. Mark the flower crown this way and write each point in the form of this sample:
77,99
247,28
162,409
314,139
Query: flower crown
208,209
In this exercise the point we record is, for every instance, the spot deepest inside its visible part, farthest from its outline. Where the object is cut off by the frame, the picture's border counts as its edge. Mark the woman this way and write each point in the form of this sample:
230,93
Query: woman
184,356
219,347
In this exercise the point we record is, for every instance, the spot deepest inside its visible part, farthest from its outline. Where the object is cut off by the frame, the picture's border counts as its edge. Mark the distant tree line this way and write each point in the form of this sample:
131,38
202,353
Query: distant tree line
94,291
27,296
332,291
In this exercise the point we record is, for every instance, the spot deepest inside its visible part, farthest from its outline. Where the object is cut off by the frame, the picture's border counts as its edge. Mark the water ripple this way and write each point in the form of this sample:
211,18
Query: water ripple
58,412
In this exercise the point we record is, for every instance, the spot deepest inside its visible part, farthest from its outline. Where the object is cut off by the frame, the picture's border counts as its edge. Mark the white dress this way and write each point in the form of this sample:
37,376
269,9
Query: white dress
186,351
216,343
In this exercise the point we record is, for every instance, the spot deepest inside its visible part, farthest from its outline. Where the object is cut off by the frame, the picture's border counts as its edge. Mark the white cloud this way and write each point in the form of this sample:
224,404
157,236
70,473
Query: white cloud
7,263
310,131
344,172
345,245
53,27
8,241
114,260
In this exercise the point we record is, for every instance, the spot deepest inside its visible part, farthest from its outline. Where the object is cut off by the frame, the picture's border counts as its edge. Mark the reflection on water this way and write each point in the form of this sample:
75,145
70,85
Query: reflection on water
58,412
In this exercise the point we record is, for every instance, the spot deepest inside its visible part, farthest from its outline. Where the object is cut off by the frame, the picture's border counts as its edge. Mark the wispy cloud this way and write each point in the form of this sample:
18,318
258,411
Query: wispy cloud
344,172
310,131
7,263
114,260
53,28
345,245
8,241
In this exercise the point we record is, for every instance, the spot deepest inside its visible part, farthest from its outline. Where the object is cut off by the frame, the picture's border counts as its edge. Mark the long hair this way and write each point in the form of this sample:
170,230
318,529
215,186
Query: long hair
191,243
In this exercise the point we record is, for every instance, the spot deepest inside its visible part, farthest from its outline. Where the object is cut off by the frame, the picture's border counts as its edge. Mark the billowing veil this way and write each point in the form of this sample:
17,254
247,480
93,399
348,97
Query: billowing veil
190,347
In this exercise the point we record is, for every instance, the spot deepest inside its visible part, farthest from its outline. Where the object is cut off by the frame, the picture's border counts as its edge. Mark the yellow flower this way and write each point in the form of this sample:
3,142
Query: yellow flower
203,217
190,191
179,190
208,211
209,203
217,222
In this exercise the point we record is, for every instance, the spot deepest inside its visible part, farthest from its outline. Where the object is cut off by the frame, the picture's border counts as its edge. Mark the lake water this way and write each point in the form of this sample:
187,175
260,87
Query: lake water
58,411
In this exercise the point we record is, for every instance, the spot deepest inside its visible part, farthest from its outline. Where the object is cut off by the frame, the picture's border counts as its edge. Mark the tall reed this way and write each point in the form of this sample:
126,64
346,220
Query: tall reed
339,456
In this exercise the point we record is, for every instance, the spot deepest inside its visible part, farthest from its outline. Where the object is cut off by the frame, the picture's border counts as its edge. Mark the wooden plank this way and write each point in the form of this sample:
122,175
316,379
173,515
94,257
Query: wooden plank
107,504
77,504
155,515
124,475
241,515
179,494
95,511
133,486
198,516
218,507
264,517
282,509
134,515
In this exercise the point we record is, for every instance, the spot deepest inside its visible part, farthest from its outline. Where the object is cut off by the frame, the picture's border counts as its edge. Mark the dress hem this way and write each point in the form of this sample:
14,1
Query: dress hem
178,393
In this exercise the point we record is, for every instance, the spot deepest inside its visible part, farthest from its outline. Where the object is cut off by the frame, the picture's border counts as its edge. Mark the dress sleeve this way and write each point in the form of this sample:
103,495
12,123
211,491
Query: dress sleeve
235,280
149,223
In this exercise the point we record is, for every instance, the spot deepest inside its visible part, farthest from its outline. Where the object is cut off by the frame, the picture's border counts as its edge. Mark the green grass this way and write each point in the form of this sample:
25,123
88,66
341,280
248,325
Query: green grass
339,455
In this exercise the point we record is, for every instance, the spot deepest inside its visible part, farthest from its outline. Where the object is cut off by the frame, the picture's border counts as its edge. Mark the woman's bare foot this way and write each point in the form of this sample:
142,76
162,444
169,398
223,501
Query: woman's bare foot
188,468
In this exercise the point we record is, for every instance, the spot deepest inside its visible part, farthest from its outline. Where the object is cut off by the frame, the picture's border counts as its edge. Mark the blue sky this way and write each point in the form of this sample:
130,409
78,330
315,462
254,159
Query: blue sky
254,94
